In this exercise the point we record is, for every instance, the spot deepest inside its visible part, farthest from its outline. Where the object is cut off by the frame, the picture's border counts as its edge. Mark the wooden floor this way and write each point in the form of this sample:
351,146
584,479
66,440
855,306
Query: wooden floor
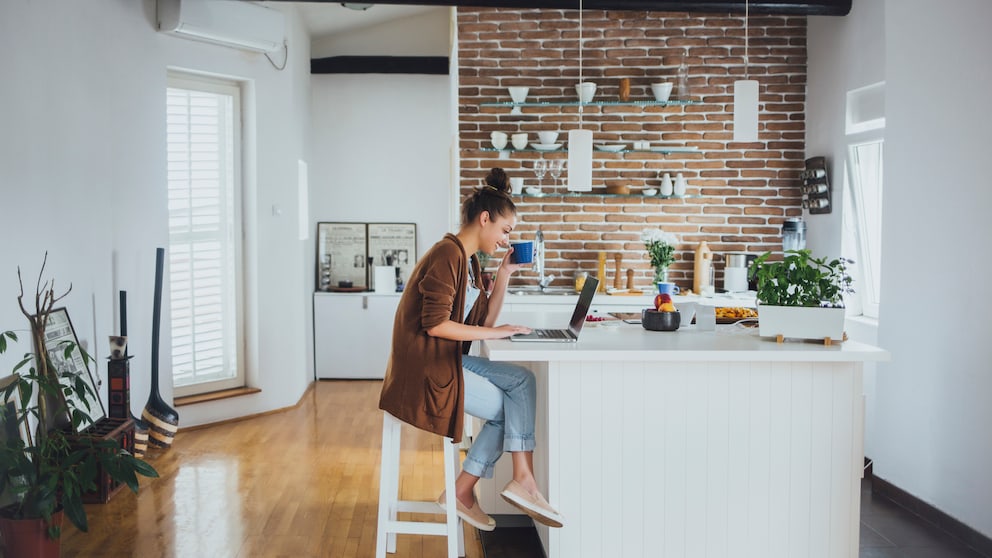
302,482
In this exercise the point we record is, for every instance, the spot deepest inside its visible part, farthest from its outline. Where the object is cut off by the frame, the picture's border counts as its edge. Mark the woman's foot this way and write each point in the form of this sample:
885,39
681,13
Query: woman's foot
474,515
532,503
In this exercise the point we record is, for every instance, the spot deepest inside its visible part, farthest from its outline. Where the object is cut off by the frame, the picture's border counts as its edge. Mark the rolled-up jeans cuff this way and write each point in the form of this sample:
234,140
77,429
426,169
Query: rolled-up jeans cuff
477,468
518,444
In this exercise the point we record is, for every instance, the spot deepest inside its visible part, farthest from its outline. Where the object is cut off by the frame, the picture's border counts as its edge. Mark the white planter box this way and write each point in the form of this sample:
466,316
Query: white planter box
801,322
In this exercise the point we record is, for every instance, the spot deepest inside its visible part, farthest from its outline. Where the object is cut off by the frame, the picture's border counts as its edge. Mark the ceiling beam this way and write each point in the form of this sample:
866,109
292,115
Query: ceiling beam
784,7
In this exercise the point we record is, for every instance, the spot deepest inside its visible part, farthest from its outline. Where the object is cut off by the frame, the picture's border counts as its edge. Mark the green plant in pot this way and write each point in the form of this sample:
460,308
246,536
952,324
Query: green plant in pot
801,296
45,466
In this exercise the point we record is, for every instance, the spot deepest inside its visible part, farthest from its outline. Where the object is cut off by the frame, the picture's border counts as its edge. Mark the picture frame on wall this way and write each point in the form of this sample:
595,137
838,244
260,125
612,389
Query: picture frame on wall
65,354
393,244
342,262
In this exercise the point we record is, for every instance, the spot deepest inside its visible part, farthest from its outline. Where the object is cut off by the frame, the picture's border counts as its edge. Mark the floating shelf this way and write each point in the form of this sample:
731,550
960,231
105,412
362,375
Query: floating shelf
564,150
605,195
672,102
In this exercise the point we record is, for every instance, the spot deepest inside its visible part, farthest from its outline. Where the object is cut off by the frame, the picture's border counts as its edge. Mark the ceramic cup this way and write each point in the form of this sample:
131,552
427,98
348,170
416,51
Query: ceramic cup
516,184
118,346
519,140
662,91
547,138
498,139
668,288
586,91
523,252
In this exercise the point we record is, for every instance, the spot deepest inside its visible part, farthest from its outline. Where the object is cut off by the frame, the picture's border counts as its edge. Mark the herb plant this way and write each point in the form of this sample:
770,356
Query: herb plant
799,279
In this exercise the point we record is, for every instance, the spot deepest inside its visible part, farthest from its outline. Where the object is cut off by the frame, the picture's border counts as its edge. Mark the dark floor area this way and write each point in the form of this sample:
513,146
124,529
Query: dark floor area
887,531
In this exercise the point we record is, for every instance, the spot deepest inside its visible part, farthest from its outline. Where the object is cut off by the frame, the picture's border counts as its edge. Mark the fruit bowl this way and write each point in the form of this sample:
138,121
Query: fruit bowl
654,320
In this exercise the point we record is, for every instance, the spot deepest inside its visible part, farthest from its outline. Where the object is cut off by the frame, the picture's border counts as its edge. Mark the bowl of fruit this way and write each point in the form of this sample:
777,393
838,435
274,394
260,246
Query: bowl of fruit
663,317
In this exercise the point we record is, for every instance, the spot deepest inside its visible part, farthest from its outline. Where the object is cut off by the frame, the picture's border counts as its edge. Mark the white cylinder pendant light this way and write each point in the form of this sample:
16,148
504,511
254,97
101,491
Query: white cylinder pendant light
580,141
746,96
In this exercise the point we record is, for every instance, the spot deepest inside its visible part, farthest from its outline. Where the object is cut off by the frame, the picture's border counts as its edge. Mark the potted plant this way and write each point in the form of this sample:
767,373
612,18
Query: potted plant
45,466
801,296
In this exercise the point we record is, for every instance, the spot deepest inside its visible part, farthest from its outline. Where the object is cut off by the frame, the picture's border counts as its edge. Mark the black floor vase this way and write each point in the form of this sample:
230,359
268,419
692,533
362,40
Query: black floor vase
162,420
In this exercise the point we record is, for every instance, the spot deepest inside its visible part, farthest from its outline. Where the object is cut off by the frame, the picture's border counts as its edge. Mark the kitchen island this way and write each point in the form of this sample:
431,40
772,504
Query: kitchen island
693,443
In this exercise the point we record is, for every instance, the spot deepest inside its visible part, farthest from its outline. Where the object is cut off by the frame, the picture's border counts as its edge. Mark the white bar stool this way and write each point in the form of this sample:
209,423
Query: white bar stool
390,504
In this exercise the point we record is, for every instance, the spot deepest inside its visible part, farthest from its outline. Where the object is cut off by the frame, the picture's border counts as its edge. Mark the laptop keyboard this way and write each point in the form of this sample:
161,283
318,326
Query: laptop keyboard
552,334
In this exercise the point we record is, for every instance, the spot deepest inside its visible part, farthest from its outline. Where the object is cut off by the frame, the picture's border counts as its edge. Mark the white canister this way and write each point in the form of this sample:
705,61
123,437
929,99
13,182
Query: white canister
384,279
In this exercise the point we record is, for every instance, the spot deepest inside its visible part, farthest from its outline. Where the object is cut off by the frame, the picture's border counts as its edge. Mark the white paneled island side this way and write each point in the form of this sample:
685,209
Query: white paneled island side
693,443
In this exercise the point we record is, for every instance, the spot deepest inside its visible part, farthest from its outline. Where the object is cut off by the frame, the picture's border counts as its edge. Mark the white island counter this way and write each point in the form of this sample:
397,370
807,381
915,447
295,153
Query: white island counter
693,444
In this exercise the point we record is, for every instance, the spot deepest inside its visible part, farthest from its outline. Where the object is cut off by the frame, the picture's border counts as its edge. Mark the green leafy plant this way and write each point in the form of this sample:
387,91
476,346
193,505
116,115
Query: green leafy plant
54,467
799,279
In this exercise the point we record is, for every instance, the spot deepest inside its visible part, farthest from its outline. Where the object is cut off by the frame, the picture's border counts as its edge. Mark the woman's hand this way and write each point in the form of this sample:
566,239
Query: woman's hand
507,266
506,330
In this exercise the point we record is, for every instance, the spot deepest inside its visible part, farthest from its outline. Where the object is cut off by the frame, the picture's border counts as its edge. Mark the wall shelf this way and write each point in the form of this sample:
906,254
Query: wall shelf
674,150
671,102
605,195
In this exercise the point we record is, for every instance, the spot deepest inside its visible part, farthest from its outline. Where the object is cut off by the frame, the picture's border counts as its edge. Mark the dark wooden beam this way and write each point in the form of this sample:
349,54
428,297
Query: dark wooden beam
785,7
432,65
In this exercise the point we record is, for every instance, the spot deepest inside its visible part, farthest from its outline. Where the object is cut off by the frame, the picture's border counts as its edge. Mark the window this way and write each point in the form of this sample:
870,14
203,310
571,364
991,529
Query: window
204,185
863,208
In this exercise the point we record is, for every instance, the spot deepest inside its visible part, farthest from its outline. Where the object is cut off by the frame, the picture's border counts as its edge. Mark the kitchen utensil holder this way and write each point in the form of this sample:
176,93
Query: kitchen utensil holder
816,186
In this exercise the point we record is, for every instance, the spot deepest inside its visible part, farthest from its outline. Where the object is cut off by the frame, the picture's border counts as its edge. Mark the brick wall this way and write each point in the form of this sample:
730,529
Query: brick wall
745,189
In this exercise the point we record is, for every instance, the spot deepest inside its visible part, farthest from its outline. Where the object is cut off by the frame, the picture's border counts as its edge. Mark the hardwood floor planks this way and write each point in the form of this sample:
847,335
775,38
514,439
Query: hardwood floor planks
303,482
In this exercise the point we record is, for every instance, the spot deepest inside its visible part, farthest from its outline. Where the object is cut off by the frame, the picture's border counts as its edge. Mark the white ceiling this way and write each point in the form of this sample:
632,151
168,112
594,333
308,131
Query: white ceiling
328,18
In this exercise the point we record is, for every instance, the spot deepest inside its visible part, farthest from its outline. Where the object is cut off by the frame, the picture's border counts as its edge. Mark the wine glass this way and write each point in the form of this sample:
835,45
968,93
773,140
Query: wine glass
540,167
556,167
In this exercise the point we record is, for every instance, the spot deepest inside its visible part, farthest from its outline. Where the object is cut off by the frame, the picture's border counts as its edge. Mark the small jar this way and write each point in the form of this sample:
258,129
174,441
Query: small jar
793,234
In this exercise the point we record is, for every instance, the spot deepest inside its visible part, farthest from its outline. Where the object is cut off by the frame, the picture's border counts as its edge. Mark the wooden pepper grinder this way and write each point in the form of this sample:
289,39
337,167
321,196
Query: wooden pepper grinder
617,279
630,279
601,273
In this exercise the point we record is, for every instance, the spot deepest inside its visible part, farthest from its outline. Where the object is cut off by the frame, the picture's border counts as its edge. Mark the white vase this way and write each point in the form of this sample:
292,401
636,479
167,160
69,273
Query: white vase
666,185
680,185
800,322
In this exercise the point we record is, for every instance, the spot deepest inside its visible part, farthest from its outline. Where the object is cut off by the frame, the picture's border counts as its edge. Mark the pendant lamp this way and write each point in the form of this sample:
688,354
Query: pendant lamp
746,96
580,141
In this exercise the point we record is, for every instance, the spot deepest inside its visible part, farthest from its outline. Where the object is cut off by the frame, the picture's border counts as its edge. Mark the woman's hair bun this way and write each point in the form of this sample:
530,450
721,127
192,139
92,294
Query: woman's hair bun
497,179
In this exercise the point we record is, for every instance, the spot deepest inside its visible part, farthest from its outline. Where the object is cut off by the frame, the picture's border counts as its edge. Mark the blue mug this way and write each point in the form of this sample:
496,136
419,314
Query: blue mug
668,288
523,252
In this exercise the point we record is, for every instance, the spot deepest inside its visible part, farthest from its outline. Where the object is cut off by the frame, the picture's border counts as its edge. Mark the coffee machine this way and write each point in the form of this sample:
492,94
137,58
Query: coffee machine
735,272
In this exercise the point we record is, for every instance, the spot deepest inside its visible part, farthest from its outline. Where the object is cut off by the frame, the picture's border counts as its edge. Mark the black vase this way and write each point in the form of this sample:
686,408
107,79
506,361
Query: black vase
162,420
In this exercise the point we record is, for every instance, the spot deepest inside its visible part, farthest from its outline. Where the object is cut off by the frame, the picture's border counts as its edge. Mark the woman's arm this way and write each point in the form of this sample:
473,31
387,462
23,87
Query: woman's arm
506,269
456,331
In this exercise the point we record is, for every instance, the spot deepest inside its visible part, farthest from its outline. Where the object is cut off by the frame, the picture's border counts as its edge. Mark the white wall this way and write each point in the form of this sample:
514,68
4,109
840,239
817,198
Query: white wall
930,408
82,175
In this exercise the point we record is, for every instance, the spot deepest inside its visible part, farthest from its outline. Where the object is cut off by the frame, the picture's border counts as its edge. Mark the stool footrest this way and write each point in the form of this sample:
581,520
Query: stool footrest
417,528
418,507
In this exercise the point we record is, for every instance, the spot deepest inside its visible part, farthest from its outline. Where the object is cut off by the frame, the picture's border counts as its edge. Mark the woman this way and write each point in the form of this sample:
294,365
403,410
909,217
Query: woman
431,381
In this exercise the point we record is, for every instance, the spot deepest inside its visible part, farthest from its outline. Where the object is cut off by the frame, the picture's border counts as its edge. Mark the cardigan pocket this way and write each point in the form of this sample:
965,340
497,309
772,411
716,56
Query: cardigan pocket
439,399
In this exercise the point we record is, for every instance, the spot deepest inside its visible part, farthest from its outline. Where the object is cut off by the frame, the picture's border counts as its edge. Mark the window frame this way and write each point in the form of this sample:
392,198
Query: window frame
178,79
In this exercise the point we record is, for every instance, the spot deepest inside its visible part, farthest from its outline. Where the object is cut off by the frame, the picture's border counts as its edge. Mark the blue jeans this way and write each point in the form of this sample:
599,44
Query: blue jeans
505,396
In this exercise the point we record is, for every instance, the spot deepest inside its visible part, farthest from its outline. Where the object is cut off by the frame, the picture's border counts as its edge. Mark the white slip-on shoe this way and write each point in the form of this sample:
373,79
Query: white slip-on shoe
474,516
532,503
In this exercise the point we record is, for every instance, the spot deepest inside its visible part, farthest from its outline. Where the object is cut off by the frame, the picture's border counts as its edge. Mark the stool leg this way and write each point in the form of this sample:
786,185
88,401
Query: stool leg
456,541
389,465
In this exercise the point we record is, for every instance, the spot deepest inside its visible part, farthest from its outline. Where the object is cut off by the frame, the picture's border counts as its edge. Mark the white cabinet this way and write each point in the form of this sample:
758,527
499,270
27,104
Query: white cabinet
352,333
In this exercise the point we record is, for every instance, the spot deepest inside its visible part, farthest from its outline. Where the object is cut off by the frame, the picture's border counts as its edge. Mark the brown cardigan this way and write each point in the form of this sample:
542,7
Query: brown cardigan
424,384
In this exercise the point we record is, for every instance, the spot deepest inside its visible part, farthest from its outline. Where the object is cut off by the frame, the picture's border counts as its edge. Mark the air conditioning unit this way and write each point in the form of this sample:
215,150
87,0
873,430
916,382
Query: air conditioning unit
232,23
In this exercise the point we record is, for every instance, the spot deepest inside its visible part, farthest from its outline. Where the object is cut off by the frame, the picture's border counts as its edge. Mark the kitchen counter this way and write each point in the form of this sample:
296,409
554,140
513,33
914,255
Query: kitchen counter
693,443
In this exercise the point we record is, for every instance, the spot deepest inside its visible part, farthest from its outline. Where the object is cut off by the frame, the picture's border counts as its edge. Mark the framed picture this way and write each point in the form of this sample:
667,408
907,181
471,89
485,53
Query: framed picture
394,244
10,427
59,334
341,257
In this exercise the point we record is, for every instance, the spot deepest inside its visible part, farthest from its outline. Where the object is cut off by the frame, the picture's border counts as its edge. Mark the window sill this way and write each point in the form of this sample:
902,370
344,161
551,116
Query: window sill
214,396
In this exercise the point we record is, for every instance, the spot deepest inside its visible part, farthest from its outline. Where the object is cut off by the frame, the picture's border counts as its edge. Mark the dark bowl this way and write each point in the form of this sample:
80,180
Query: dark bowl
660,321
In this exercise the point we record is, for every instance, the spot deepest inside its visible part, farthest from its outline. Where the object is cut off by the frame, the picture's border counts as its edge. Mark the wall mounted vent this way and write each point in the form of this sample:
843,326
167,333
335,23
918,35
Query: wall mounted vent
232,23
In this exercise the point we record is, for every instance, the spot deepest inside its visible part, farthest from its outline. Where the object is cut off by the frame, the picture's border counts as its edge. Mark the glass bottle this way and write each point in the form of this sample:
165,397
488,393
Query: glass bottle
682,78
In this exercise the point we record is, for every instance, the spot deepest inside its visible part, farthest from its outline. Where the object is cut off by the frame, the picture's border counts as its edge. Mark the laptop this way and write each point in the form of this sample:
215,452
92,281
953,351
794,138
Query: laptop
571,334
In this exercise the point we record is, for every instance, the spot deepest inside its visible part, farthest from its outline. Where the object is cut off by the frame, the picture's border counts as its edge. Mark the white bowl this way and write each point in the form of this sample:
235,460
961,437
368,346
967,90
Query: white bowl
519,141
518,93
586,91
611,147
650,191
532,190
547,138
662,91
545,147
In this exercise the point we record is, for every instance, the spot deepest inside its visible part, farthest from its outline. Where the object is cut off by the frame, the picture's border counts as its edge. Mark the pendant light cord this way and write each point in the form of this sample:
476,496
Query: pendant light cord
580,63
747,4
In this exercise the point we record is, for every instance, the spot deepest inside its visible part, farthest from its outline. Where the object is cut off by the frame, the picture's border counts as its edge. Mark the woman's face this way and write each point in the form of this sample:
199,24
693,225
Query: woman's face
496,232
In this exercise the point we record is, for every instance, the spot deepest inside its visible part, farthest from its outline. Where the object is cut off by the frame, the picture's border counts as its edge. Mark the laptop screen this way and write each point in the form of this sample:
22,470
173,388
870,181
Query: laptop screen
582,306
